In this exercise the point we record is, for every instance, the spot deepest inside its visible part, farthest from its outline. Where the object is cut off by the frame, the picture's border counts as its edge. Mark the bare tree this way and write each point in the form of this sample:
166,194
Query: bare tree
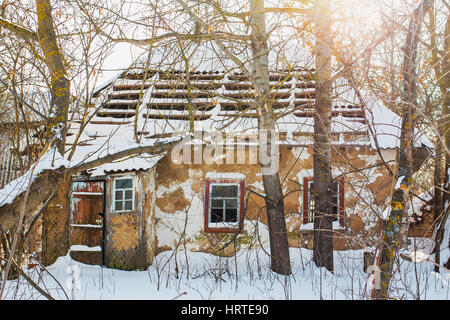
279,248
441,67
323,236
399,198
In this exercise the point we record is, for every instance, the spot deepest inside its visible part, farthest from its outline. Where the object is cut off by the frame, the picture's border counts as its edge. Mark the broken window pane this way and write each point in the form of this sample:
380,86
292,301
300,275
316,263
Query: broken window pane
334,200
216,215
119,195
311,201
231,215
118,206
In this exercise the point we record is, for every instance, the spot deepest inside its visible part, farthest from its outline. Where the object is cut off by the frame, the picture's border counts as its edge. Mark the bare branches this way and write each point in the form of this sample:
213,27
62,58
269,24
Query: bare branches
394,230
227,36
219,42
14,93
151,41
16,235
245,14
30,281
446,4
19,31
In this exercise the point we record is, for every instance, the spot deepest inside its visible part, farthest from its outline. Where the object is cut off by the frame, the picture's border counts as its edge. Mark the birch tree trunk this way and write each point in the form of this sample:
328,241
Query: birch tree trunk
392,228
323,221
279,248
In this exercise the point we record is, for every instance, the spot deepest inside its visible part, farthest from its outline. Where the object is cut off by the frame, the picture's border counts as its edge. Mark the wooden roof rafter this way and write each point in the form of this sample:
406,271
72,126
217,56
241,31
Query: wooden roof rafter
173,97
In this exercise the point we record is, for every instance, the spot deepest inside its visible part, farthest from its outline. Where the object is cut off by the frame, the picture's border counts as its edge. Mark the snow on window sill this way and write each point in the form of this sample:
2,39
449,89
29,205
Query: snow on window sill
310,226
226,225
80,247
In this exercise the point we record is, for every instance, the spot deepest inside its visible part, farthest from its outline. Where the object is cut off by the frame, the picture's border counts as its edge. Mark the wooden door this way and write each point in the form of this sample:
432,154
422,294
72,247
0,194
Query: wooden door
124,246
86,225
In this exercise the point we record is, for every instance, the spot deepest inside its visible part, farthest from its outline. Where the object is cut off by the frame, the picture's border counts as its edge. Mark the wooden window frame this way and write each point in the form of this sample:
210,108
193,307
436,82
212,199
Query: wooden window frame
341,211
235,181
113,206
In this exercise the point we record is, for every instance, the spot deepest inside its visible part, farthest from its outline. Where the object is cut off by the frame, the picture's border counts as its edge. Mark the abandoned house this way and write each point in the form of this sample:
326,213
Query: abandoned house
208,188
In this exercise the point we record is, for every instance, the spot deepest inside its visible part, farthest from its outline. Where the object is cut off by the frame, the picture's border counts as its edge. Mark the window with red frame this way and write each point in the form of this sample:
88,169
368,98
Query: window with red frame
224,204
337,200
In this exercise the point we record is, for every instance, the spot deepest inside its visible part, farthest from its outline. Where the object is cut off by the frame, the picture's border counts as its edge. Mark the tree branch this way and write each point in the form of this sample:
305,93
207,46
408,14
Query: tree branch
245,14
446,4
153,40
19,31
14,93
30,281
218,41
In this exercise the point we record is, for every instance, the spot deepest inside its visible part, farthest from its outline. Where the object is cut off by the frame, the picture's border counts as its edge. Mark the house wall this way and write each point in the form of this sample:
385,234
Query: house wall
128,236
178,214
55,224
169,207
147,182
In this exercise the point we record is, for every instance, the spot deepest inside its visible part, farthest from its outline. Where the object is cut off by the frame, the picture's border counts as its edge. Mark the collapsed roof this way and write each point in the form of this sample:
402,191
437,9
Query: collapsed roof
172,92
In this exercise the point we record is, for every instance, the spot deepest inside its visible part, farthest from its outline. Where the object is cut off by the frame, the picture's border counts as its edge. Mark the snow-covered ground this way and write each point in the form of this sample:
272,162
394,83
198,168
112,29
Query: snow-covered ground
247,276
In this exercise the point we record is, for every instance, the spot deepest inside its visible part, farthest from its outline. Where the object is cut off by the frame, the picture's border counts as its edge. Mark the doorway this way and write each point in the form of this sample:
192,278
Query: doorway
86,227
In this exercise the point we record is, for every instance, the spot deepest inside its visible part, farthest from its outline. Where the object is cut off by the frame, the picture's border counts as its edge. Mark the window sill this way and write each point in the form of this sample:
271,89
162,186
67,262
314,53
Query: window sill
213,229
310,226
120,212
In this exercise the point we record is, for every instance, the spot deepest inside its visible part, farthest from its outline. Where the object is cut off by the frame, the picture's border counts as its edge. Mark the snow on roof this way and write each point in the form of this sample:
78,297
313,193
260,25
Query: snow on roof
141,162
223,102
386,126
158,99
51,160
103,145
100,140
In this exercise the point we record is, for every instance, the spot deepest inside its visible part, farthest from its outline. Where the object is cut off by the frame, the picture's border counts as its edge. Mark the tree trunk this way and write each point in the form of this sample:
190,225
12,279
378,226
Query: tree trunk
279,247
323,220
441,214
392,228
437,194
446,130
446,197
60,91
